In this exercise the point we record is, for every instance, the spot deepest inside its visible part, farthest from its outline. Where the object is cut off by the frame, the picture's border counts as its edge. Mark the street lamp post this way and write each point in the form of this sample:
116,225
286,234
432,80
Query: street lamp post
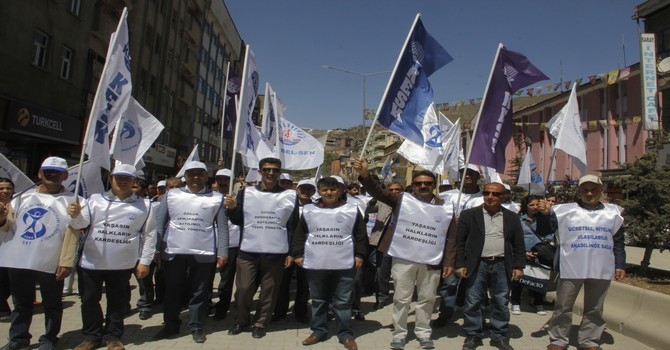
364,75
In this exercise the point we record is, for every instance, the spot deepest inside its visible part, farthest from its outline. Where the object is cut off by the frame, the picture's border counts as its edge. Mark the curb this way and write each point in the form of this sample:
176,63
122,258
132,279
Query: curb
634,312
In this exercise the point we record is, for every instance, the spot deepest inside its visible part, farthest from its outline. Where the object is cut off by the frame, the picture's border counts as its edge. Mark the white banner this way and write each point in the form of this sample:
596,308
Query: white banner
12,172
91,179
648,80
298,149
112,96
136,132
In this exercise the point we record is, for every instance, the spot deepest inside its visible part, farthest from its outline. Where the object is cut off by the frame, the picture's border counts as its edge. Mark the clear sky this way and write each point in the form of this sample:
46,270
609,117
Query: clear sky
293,39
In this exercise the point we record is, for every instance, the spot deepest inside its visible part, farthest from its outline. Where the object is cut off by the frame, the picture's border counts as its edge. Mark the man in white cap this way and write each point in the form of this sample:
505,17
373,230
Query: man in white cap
227,272
193,231
268,215
38,239
590,254
121,240
286,180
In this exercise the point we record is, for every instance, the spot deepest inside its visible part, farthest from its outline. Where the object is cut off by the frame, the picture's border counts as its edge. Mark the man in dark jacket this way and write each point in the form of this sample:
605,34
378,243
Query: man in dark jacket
490,254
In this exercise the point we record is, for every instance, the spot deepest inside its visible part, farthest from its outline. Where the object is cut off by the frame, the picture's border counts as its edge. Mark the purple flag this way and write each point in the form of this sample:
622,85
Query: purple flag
512,72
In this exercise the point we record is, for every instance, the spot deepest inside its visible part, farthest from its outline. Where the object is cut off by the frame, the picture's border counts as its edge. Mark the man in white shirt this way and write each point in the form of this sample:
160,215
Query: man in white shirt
38,239
122,232
192,228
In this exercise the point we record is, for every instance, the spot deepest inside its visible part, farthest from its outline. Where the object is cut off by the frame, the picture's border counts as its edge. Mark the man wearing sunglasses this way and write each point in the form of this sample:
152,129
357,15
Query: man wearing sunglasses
490,254
267,214
417,240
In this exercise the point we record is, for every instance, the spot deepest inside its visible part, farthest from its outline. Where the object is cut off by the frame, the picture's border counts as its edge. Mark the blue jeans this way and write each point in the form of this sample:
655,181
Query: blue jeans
184,274
489,275
448,293
334,287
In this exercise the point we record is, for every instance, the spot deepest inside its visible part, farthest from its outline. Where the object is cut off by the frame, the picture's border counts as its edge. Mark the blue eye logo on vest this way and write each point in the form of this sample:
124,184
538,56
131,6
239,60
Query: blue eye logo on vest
35,229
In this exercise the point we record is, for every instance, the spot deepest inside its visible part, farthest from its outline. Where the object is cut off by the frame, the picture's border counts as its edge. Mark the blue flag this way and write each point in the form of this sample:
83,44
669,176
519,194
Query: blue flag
409,94
512,71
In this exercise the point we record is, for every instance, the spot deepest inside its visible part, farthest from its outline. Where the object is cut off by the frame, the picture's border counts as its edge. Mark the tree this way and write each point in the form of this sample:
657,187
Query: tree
646,187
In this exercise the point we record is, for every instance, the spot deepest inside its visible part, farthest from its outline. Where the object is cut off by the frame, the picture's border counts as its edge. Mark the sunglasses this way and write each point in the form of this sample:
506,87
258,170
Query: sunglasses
271,170
423,183
495,194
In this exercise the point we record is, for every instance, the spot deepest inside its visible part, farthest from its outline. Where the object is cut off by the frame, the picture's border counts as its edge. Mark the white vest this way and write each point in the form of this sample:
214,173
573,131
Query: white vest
114,241
468,200
330,243
191,229
421,231
586,240
40,221
233,235
265,217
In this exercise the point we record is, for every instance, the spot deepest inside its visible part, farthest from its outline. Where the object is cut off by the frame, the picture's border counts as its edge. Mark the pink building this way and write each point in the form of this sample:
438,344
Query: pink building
612,124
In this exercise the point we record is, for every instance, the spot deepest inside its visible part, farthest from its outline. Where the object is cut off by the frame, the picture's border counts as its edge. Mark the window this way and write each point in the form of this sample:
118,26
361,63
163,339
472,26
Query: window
66,62
73,7
41,42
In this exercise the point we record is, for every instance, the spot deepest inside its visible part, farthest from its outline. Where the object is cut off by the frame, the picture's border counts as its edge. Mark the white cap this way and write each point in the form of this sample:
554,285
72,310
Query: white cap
139,174
446,183
224,172
285,176
306,182
471,167
124,170
194,165
507,187
54,163
161,183
339,179
590,178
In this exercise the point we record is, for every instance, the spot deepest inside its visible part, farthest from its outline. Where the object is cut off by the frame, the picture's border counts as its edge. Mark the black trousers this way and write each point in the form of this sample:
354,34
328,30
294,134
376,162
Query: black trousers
22,286
146,290
96,327
185,275
5,293
226,282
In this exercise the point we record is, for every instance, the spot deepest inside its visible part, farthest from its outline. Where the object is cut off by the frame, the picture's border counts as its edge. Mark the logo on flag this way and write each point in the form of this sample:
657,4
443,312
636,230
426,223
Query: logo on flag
291,135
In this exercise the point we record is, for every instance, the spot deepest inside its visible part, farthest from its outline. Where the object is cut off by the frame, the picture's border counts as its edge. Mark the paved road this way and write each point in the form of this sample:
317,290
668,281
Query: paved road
373,333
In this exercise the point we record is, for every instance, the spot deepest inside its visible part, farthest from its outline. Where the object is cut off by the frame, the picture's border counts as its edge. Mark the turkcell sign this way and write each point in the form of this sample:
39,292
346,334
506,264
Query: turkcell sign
649,86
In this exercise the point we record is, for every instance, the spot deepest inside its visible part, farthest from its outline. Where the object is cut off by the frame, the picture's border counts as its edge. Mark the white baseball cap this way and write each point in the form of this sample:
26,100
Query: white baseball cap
161,183
446,183
285,176
471,167
54,163
590,178
307,182
339,179
194,165
124,170
224,172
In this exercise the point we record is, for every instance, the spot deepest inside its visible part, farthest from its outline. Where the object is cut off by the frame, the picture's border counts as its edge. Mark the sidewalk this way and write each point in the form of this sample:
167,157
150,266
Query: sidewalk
373,333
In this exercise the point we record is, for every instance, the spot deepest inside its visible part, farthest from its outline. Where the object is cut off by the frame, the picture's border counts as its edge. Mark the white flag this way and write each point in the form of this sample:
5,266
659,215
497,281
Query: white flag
193,156
112,96
453,153
298,149
269,125
530,175
570,136
91,179
249,141
10,171
386,169
490,174
136,132
430,155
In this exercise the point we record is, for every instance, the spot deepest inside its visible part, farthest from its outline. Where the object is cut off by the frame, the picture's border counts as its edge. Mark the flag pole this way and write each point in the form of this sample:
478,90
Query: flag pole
388,85
223,111
277,123
96,97
239,118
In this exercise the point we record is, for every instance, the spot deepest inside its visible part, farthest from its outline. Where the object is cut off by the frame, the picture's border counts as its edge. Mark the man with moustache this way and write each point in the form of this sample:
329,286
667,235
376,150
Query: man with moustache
420,244
490,255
